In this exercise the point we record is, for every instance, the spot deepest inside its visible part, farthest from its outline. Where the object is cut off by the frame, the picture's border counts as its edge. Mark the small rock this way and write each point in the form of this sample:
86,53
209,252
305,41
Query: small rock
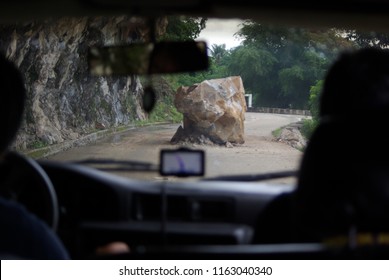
292,136
99,125
229,145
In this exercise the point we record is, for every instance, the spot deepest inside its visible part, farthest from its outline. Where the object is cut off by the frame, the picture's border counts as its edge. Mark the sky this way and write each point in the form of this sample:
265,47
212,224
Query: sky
221,31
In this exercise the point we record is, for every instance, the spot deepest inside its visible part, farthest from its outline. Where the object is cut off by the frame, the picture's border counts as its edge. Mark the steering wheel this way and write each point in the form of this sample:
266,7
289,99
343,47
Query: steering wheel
23,180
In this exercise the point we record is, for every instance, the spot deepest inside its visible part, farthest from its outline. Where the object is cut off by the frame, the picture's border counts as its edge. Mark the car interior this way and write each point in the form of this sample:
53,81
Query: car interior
204,218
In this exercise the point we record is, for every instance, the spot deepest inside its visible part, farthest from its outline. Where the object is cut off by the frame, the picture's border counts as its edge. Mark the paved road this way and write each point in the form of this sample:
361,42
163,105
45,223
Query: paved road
259,154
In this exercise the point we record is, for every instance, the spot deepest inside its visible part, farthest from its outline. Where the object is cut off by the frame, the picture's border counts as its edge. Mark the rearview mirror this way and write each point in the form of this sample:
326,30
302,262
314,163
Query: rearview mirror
148,58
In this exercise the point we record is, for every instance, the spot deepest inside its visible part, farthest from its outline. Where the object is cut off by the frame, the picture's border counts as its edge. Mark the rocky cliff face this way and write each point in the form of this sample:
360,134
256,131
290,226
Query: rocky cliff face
64,100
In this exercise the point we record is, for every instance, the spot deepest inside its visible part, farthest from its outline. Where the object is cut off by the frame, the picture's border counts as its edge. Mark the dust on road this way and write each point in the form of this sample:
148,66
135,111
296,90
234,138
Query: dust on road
259,154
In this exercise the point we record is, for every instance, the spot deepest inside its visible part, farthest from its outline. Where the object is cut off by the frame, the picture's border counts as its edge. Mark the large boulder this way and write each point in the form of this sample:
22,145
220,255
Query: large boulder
214,109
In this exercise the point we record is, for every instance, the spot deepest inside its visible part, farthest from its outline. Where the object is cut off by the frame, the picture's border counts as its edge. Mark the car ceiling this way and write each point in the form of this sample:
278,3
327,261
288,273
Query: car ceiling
366,14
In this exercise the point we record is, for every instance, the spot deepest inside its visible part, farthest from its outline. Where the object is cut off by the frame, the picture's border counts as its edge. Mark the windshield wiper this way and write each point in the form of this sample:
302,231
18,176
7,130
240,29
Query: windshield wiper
120,165
255,177
125,165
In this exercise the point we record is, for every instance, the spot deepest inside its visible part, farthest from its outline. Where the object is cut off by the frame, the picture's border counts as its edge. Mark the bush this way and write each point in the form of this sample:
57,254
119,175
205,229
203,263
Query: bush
309,125
164,111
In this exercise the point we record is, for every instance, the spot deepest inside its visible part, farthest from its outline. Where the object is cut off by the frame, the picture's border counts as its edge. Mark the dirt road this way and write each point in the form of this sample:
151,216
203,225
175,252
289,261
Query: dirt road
259,154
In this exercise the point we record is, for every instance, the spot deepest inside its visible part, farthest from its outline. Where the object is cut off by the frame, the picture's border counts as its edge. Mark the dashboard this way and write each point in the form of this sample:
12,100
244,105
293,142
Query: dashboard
96,208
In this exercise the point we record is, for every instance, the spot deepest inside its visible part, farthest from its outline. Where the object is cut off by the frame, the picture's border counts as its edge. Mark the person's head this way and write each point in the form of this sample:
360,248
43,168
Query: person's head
344,173
12,98
357,81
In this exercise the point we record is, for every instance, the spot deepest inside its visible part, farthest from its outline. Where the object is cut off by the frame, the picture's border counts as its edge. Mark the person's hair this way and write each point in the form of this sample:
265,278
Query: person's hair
12,98
357,81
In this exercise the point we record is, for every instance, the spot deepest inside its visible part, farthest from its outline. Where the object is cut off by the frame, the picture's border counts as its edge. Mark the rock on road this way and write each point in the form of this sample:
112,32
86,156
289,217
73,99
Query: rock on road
259,154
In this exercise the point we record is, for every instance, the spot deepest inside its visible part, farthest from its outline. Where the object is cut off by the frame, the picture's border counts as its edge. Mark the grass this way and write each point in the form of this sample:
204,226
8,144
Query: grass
37,145
164,111
37,154
309,125
277,133
121,128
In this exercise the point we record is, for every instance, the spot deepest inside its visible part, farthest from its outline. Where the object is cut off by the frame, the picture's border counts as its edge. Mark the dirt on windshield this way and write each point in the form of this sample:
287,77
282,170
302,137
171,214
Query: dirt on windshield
259,154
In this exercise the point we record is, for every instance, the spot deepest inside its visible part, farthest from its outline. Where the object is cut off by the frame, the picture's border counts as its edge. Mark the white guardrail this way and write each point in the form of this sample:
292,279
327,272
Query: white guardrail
279,111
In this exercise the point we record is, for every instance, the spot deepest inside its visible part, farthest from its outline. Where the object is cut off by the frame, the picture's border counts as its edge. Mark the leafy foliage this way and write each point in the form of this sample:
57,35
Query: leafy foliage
181,28
309,125
368,39
218,52
314,98
164,111
281,66
218,69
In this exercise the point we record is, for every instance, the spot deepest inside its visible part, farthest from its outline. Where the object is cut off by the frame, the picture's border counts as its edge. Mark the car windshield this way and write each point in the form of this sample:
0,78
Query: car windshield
251,112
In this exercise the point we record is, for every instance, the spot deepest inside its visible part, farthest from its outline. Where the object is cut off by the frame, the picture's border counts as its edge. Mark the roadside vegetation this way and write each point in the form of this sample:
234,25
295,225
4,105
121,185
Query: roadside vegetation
309,125
164,111
277,133
282,67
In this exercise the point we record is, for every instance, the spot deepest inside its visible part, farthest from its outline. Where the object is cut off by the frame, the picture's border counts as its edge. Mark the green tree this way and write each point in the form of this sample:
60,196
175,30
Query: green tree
254,65
310,125
219,60
182,28
314,98
278,65
299,58
218,52
367,39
